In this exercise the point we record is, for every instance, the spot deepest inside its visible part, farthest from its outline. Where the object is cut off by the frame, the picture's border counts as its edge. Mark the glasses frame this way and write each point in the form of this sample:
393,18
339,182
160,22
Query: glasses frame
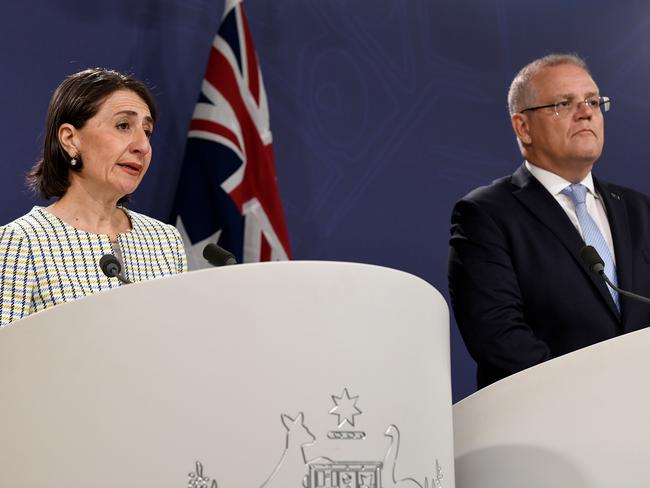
604,103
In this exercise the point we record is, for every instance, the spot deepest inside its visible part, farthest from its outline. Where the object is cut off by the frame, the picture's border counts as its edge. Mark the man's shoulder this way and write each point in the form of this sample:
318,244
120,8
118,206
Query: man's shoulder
500,187
499,200
501,190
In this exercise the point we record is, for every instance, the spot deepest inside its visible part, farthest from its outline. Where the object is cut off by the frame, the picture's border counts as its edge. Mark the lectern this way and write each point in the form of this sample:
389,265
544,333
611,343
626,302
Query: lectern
577,421
293,374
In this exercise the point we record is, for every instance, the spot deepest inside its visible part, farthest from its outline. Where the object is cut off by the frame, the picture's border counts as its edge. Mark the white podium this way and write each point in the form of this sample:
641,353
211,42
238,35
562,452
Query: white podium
578,421
294,374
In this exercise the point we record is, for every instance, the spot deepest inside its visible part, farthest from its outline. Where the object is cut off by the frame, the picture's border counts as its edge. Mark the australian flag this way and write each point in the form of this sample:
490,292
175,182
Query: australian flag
227,191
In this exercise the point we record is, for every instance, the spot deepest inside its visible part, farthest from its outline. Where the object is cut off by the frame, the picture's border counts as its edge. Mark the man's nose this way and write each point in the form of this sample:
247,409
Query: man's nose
584,109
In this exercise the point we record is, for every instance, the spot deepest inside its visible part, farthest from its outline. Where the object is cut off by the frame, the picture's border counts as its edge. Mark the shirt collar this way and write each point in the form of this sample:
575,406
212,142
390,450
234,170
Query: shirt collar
553,183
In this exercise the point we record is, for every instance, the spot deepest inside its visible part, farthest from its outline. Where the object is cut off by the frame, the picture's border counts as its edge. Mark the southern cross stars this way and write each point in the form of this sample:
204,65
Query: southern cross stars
346,408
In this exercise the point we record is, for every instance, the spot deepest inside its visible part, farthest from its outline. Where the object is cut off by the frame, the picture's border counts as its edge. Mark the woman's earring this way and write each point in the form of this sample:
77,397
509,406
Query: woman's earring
74,162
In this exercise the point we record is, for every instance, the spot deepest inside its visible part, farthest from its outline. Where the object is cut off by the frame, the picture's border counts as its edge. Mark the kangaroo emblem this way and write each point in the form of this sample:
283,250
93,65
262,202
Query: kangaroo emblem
292,464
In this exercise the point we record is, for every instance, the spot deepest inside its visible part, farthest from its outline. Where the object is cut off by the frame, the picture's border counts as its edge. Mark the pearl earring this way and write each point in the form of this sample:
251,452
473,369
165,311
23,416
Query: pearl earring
74,162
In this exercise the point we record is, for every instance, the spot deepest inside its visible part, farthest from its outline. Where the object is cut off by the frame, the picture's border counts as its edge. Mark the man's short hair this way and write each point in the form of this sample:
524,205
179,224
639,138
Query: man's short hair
522,92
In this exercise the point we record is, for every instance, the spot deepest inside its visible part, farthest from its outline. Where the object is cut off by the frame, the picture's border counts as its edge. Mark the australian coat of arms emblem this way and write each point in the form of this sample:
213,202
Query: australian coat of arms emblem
295,469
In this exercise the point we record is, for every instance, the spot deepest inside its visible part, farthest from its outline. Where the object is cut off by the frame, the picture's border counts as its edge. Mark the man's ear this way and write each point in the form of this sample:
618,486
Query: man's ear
522,128
68,139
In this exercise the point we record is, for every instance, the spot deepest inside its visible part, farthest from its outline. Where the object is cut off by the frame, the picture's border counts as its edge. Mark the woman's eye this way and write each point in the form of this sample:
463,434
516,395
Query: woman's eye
123,125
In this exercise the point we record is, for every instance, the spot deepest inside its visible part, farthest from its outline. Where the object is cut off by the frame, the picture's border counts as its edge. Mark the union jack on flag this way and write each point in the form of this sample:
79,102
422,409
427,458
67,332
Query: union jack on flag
227,190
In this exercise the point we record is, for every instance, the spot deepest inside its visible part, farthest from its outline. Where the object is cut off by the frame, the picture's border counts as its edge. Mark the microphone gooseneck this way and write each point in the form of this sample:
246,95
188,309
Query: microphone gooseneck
595,263
218,256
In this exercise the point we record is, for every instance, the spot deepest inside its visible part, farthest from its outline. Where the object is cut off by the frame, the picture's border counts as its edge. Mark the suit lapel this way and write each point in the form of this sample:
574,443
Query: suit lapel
619,226
543,206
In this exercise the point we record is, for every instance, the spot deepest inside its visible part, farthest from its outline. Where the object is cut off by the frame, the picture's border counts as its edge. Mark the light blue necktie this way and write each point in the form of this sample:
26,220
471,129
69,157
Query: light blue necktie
591,233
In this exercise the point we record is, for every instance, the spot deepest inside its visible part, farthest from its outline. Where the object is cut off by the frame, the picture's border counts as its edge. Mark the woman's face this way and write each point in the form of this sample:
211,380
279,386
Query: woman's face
114,146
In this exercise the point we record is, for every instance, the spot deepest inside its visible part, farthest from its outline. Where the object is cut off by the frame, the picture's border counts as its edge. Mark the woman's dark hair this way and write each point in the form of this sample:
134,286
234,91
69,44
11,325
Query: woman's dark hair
77,99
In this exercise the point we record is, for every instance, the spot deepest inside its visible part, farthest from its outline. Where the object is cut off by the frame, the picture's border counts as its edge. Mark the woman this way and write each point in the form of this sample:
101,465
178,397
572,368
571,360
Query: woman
96,152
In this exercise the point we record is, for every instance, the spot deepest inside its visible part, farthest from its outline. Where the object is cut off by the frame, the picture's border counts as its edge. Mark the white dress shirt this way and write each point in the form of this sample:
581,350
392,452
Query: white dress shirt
554,184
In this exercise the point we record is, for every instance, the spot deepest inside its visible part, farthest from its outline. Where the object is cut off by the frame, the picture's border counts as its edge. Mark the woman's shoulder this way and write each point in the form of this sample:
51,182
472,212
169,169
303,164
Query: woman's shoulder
143,223
26,225
19,233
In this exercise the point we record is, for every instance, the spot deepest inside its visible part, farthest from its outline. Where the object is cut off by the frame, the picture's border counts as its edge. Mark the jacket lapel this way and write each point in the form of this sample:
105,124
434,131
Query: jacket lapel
543,206
619,226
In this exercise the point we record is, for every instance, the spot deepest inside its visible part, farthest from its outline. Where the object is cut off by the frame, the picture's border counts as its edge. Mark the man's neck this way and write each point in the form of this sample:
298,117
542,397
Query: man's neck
573,172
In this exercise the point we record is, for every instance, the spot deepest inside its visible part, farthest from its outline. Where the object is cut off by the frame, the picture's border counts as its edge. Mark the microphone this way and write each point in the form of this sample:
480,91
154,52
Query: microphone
218,256
595,263
592,259
112,268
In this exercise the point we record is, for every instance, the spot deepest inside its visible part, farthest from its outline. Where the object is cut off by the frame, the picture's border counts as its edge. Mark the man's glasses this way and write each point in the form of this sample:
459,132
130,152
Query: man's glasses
569,106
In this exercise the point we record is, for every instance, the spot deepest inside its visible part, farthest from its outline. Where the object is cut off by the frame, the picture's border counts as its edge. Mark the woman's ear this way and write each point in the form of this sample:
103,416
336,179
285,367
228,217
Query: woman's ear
68,139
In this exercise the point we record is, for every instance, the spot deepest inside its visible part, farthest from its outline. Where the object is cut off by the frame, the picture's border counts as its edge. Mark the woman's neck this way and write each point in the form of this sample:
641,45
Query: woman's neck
91,214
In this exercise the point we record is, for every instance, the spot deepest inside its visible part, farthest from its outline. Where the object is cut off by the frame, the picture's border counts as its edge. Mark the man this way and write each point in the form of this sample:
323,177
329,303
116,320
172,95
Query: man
520,292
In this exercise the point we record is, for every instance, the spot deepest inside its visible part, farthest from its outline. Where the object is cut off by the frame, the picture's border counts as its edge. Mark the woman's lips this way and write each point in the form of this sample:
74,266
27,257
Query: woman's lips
131,168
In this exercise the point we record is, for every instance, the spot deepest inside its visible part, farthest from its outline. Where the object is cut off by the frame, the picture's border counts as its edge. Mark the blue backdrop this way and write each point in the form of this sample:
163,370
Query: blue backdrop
384,112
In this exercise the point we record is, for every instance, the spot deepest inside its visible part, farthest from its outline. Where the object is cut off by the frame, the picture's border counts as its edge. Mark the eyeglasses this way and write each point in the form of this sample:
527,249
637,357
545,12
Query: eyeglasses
569,106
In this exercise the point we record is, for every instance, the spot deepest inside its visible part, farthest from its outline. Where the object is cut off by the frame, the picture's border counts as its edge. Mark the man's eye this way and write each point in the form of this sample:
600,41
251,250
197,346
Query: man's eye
564,103
593,102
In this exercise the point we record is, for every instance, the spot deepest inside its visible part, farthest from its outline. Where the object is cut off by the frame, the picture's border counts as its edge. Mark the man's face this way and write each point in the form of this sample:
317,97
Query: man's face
567,144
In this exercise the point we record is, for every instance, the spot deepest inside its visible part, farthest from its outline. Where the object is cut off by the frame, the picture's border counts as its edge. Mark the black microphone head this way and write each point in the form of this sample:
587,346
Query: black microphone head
110,265
218,256
592,259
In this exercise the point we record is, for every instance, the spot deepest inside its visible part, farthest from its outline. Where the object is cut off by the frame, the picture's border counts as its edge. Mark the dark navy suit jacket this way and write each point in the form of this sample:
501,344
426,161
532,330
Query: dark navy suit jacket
519,290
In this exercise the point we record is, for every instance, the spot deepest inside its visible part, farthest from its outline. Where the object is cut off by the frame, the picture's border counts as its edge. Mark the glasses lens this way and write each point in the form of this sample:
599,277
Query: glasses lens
605,103
563,107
